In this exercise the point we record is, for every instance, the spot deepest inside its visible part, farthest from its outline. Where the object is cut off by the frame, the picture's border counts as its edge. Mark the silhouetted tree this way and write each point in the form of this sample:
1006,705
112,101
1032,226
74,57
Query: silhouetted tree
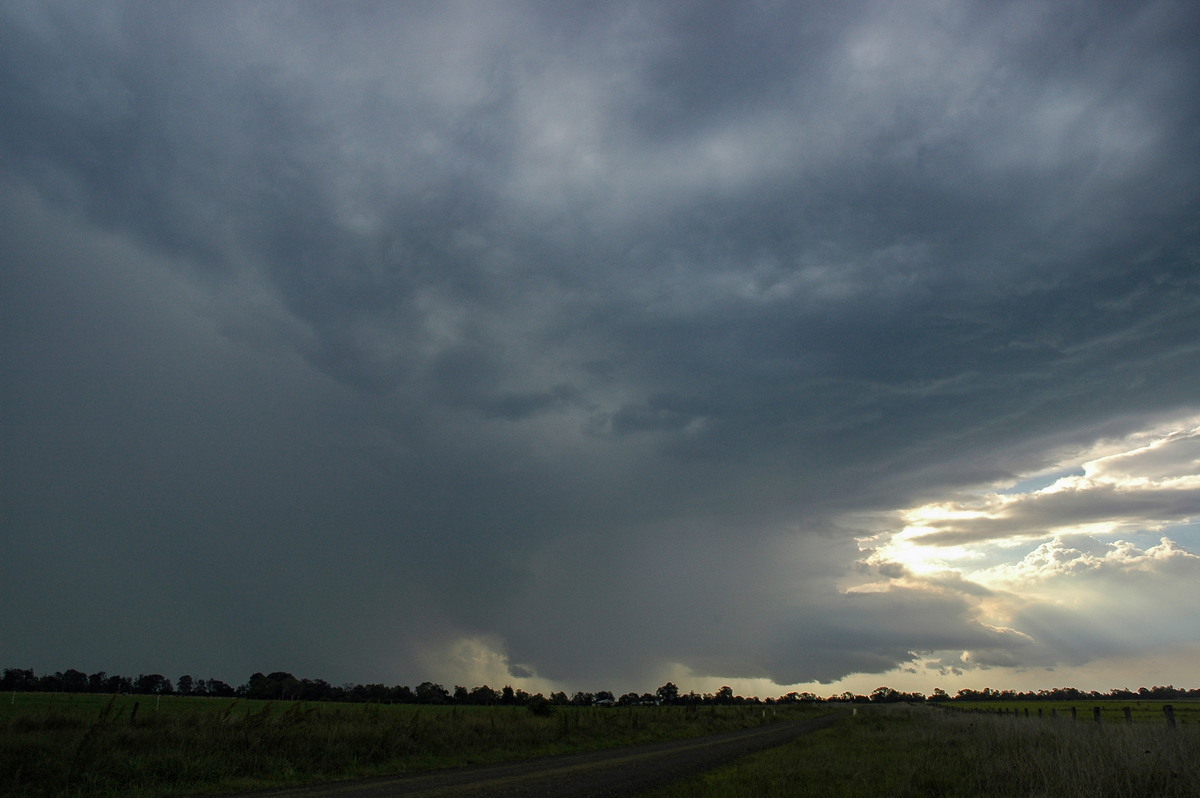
885,695
18,680
668,693
430,693
152,684
282,685
483,696
220,689
539,705
628,700
74,681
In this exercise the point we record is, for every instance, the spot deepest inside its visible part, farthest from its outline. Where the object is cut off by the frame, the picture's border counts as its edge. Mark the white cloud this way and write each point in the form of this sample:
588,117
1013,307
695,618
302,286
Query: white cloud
1150,481
1046,565
1057,559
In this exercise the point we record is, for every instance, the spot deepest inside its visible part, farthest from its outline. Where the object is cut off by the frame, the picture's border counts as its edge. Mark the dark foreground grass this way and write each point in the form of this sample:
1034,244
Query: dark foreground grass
920,751
99,746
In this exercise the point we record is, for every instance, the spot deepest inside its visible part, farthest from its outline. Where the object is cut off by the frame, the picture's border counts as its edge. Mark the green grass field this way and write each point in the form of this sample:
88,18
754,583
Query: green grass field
1111,711
915,752
95,745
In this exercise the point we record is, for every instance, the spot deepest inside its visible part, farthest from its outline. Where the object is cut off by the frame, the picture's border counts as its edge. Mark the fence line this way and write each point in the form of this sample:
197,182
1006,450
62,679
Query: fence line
1097,712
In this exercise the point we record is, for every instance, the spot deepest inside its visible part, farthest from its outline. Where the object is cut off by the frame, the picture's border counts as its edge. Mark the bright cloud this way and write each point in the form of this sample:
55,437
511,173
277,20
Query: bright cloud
1046,565
1147,485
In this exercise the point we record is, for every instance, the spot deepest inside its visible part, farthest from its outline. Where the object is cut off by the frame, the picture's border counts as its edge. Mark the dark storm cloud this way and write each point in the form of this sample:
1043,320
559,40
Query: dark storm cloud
334,333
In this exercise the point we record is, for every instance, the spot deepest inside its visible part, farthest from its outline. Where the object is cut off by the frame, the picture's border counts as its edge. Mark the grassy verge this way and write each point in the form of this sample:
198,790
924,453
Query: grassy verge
919,751
1111,711
103,746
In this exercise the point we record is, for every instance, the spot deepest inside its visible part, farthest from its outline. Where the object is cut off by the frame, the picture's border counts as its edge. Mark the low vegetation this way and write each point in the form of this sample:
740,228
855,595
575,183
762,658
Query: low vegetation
67,734
94,745
897,750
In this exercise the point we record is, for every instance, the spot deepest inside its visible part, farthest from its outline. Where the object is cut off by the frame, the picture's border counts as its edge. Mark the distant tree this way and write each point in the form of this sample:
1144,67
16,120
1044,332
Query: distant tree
483,696
461,695
581,699
628,700
540,705
668,693
282,685
152,684
724,696
507,696
118,684
559,699
939,694
884,695
316,690
74,681
255,687
220,689
49,682
18,680
185,685
373,693
430,693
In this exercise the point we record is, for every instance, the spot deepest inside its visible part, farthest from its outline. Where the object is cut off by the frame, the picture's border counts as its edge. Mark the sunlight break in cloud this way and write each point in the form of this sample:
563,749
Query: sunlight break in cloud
1151,481
1078,594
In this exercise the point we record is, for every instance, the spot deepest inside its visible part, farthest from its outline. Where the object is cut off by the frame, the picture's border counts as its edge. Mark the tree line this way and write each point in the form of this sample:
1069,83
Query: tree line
282,686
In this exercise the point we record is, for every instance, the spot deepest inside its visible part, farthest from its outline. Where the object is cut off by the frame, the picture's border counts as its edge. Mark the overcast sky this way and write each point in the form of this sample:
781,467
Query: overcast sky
586,346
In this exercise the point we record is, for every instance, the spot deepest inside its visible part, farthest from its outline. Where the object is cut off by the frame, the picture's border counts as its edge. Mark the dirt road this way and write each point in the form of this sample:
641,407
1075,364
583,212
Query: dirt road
596,774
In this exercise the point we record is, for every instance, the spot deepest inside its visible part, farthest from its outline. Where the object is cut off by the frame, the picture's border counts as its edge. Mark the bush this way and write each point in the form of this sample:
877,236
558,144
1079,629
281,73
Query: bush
541,706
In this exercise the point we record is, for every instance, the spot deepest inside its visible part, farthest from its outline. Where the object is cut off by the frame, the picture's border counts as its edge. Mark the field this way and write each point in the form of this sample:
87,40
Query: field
96,745
89,745
1110,711
919,751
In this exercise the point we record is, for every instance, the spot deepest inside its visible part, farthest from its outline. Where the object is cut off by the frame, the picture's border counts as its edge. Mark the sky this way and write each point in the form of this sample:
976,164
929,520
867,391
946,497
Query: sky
785,346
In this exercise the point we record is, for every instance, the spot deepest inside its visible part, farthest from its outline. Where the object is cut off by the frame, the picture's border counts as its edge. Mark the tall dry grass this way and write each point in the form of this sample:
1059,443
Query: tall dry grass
88,748
919,751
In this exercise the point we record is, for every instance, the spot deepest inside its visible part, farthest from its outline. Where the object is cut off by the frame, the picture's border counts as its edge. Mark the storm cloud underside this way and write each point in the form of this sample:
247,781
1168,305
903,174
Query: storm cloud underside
336,335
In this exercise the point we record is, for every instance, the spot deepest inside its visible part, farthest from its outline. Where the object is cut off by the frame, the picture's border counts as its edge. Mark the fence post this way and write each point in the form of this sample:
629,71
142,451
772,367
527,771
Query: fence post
1054,712
1169,711
1072,713
1128,715
1039,712
1096,714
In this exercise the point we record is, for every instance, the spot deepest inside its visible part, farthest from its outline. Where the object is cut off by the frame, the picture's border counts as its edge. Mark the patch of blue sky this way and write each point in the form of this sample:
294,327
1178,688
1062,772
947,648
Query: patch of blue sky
1186,535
